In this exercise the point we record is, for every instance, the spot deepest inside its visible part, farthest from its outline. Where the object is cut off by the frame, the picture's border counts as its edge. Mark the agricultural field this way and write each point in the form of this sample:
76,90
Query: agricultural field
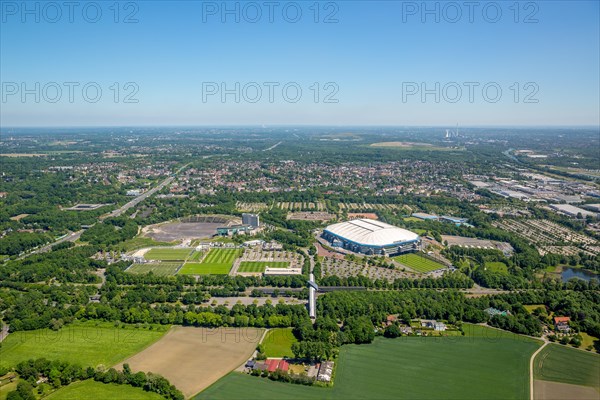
85,343
496,266
495,362
194,358
167,254
159,269
278,342
418,262
91,389
216,262
259,266
558,363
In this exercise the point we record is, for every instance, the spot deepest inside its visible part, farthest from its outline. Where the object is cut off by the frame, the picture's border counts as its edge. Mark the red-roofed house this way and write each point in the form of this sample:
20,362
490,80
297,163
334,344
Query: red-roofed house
562,324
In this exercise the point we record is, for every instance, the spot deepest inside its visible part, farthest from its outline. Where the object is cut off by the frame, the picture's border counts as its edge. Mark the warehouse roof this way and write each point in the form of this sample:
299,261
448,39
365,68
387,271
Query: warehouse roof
370,232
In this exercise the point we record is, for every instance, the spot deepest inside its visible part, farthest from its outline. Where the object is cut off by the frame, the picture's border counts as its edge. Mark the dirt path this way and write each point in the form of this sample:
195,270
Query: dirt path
531,361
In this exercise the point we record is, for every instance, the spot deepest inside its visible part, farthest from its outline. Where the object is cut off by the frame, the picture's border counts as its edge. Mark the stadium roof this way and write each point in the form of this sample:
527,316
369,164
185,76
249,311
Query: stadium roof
371,232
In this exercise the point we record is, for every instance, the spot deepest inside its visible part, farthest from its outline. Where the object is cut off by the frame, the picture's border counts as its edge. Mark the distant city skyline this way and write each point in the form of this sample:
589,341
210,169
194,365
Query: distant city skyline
339,63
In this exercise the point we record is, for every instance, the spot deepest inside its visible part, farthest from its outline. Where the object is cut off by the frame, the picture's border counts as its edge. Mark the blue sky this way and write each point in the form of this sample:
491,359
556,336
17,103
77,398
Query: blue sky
373,59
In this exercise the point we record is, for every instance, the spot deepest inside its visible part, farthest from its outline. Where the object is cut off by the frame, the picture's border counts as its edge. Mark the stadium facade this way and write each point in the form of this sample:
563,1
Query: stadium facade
370,236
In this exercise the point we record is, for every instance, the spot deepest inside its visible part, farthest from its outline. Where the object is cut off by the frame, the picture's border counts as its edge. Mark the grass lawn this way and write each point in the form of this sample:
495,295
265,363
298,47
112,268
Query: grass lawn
587,340
167,254
531,307
139,242
91,389
558,363
216,262
160,269
259,266
496,266
484,364
85,343
278,342
195,268
418,262
9,387
196,256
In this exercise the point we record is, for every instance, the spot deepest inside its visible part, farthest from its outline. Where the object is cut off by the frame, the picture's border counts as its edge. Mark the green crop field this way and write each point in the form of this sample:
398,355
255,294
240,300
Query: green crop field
496,266
259,266
418,262
216,262
167,254
160,269
86,343
97,390
559,363
278,342
484,364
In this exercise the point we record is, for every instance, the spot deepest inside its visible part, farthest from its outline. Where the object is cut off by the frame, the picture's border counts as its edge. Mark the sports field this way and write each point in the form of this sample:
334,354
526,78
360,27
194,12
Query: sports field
167,254
216,262
559,363
485,364
418,262
278,342
160,269
194,358
91,389
88,344
259,266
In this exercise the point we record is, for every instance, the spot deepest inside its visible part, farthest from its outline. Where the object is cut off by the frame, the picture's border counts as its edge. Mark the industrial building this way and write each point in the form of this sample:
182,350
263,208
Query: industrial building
369,236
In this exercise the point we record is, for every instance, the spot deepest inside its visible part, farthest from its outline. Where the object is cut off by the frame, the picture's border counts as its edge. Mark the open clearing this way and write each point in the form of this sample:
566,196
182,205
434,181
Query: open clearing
418,262
194,358
558,363
484,364
90,389
160,269
87,344
259,266
216,262
159,254
278,342
496,266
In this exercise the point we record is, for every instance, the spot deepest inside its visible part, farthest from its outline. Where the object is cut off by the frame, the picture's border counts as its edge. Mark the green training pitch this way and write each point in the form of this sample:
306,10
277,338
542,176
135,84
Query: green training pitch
278,342
559,363
216,262
97,390
159,254
259,266
85,343
484,364
160,269
418,262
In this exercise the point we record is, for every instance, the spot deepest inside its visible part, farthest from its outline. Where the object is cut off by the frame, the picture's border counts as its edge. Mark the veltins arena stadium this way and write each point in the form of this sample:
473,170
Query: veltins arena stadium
369,236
